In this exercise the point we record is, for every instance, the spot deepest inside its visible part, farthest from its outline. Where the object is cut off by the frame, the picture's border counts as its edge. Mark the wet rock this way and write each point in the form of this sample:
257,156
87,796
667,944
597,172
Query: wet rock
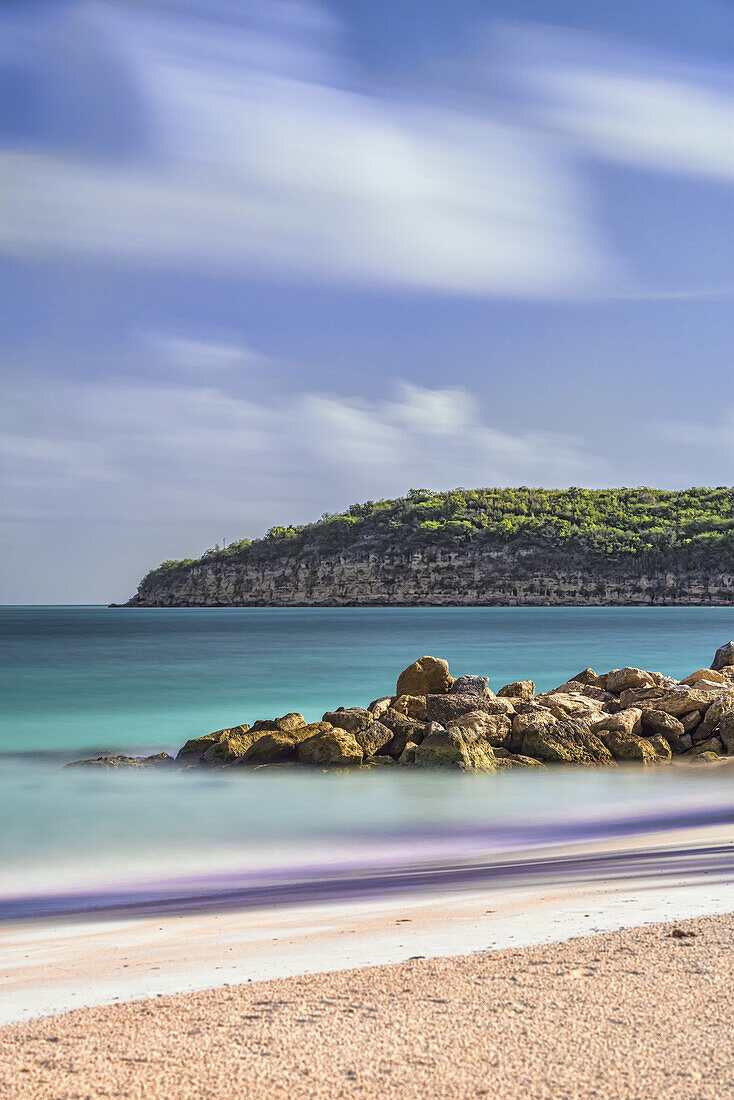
711,744
106,762
626,746
270,748
194,749
426,676
448,748
587,676
471,685
351,718
724,656
373,737
331,748
562,742
661,747
403,729
231,747
519,689
705,758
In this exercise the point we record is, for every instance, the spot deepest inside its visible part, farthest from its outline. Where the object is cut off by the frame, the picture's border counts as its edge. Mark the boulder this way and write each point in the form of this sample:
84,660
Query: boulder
230,747
403,730
691,720
676,700
707,674
414,706
471,685
711,744
516,760
564,743
656,723
728,673
620,679
725,731
407,756
624,721
565,705
724,656
194,749
426,676
270,748
705,758
712,717
378,706
380,762
286,724
478,725
106,762
351,718
448,748
587,676
520,689
159,760
330,748
626,746
661,746
447,708
373,737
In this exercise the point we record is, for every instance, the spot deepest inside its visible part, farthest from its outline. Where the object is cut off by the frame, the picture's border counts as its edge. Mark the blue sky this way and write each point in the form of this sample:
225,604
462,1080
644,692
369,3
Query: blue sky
263,259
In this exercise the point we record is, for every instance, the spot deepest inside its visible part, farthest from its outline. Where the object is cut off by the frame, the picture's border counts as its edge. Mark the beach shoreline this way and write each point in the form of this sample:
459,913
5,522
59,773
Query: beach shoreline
639,1012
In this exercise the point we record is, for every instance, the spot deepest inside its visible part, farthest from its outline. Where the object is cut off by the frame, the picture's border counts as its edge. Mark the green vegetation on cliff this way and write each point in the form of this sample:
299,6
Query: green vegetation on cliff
690,527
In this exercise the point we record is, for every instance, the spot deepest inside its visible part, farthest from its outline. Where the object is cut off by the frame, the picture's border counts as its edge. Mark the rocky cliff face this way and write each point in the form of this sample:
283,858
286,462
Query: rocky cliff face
505,576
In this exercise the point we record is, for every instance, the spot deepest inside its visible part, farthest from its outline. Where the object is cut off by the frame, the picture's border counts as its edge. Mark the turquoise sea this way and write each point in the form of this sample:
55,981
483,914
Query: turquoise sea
76,679
80,678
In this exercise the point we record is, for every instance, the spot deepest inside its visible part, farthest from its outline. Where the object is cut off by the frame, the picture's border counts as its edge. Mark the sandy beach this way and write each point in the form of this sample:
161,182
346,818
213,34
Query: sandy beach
635,1013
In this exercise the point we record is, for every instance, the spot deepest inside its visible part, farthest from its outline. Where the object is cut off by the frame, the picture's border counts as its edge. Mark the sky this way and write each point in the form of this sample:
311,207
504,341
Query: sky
264,258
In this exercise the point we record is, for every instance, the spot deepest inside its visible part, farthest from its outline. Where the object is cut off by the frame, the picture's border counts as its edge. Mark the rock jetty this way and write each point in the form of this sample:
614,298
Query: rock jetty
436,721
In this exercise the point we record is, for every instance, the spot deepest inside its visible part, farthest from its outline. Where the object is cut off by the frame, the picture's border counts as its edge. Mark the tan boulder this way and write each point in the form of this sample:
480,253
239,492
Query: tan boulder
677,700
656,723
621,679
413,706
373,737
448,748
661,746
520,689
195,747
349,718
691,720
517,760
478,725
447,708
710,675
563,742
407,756
707,757
286,724
229,748
330,748
624,721
626,746
711,744
403,730
426,676
270,748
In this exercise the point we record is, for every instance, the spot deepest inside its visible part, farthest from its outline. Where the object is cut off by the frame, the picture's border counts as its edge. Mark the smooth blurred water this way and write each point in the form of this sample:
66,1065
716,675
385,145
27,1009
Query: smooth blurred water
74,678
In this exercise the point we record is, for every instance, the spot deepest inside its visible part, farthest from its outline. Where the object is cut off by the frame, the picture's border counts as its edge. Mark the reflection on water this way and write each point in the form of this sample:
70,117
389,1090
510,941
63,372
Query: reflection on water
78,841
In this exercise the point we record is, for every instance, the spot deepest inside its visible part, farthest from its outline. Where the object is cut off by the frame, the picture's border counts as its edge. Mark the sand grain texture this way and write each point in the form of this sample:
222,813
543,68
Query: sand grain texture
638,1013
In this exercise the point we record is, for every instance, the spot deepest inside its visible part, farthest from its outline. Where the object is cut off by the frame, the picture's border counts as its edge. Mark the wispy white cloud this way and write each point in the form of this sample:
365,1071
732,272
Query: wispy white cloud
267,158
144,451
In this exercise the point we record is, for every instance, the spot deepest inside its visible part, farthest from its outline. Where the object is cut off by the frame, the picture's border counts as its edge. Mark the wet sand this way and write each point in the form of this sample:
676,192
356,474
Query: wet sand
635,1013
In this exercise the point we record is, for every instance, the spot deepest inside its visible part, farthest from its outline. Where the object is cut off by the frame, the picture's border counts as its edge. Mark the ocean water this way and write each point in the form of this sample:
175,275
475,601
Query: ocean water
82,678
77,679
